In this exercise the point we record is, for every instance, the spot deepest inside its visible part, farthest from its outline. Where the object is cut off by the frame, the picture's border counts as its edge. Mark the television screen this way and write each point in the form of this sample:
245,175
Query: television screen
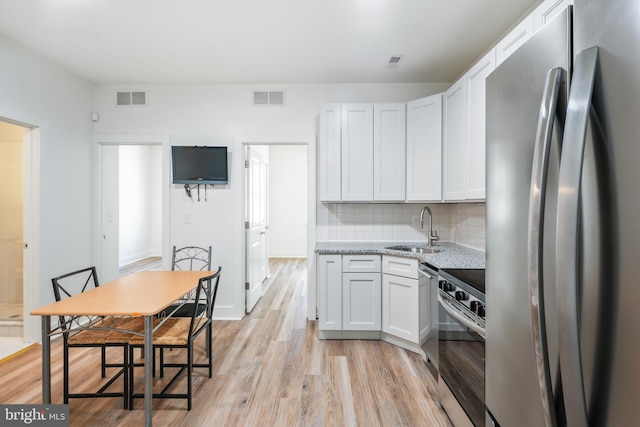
199,165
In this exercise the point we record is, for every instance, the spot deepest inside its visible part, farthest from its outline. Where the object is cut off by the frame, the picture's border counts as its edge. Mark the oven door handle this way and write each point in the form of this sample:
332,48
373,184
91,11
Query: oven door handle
460,318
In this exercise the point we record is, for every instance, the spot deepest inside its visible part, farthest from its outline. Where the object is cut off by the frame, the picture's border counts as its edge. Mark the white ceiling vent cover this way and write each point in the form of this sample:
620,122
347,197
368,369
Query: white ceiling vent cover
138,99
272,97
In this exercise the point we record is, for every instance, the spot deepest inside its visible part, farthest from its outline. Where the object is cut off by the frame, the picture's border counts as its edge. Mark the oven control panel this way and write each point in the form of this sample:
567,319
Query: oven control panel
463,296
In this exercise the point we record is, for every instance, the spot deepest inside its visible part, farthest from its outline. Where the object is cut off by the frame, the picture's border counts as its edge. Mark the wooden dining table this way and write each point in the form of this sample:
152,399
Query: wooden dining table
141,294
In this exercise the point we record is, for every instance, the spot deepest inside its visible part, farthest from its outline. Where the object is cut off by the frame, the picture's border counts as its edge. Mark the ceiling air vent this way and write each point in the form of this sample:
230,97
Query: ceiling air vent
263,97
131,99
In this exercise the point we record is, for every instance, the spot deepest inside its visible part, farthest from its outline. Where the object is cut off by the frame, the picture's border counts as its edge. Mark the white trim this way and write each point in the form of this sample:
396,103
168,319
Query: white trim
163,140
239,207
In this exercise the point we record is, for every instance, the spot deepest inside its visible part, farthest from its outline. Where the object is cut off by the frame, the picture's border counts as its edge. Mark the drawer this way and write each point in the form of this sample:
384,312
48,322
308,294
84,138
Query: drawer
400,266
361,264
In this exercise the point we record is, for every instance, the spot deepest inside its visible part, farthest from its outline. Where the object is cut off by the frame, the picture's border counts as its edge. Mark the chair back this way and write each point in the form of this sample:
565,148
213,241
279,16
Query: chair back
71,284
191,258
212,290
205,294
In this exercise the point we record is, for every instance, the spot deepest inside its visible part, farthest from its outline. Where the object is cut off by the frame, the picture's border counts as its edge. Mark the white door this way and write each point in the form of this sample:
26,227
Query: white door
256,223
110,213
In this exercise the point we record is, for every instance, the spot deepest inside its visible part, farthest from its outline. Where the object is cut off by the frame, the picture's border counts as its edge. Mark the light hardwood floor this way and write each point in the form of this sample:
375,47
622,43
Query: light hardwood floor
270,369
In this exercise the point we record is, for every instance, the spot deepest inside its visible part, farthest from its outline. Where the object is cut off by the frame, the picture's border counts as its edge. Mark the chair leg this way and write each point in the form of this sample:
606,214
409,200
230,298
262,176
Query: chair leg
161,362
103,358
189,371
210,350
125,375
65,373
131,369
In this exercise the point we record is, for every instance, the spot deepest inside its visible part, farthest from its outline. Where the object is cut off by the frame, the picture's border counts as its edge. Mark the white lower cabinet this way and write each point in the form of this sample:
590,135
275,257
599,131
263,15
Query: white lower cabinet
349,296
401,307
405,302
329,274
361,302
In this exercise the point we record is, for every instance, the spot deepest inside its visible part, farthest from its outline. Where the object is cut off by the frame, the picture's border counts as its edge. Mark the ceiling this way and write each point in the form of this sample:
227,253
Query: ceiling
260,41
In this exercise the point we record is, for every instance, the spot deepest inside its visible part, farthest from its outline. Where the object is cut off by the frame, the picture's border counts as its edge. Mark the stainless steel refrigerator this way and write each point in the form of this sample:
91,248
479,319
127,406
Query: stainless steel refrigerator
563,223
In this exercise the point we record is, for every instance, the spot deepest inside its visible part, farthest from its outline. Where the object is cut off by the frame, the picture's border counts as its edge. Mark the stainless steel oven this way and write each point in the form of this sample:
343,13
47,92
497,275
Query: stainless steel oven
461,324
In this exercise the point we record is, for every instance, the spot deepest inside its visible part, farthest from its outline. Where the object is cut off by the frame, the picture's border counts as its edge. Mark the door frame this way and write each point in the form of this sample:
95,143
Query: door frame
165,141
240,141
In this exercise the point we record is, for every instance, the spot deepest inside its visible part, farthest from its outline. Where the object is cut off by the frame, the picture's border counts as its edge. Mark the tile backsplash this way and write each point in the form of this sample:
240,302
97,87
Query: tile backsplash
462,223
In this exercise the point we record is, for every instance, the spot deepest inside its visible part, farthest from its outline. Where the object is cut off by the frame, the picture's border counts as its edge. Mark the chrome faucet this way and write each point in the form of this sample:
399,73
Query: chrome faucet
433,235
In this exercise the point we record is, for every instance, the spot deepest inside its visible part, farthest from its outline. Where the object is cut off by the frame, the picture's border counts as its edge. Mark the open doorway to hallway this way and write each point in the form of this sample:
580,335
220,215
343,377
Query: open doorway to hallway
14,205
131,209
276,210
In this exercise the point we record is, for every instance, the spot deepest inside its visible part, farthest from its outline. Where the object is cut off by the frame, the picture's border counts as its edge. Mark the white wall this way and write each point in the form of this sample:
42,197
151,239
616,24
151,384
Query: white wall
214,115
39,93
288,201
140,194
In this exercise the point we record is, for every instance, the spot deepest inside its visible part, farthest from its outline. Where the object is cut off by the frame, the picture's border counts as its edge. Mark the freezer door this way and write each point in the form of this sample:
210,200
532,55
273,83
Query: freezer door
612,240
514,94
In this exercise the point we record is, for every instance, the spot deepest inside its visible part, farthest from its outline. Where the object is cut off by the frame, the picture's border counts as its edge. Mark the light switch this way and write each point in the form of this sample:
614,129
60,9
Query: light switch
187,218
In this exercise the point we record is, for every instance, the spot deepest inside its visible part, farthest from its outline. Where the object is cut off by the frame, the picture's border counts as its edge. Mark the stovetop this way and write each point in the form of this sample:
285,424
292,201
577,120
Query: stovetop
471,276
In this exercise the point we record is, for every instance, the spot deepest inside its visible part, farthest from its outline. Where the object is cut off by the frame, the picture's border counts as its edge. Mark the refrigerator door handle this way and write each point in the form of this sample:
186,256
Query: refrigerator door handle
535,233
571,164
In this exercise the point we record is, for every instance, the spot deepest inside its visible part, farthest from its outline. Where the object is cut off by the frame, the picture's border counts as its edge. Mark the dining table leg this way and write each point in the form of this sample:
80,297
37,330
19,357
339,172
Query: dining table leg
148,369
46,360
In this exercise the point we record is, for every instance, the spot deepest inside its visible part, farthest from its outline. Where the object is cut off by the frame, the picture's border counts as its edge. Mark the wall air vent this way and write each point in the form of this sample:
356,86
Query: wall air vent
272,97
136,99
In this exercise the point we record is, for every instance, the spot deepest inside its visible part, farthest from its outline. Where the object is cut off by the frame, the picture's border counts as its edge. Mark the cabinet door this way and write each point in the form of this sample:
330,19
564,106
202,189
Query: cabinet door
329,152
547,10
455,145
329,288
424,149
400,307
389,129
357,152
361,302
476,103
516,38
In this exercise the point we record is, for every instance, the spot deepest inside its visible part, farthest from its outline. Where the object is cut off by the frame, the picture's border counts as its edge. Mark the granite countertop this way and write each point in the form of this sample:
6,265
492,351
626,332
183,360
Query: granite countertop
450,256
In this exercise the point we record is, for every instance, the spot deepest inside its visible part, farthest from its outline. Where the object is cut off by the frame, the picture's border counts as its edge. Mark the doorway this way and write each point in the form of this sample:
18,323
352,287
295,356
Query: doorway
16,209
276,210
131,208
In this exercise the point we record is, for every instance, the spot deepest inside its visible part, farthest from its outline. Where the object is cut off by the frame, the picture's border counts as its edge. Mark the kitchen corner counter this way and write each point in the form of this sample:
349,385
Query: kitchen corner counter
451,255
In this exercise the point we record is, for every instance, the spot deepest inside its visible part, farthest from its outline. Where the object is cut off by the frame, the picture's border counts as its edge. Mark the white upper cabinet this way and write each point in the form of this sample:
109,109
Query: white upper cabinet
361,153
357,152
389,148
516,38
547,10
455,145
329,153
424,149
476,103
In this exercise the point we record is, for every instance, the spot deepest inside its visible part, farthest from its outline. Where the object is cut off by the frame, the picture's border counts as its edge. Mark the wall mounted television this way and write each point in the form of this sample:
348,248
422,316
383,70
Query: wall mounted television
199,165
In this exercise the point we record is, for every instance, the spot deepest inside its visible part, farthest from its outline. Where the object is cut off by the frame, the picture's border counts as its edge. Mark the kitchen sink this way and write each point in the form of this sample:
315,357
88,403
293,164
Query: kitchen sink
414,249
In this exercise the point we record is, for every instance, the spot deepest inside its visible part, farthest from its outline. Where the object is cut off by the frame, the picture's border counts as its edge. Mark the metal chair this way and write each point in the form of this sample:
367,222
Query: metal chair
91,331
189,258
180,333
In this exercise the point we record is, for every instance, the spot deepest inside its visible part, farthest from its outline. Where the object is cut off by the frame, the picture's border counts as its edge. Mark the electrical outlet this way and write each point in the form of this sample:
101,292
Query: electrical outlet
187,218
415,221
